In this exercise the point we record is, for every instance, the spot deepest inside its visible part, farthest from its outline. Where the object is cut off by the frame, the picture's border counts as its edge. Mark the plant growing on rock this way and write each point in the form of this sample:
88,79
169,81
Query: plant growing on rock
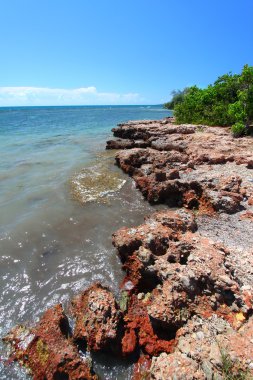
231,370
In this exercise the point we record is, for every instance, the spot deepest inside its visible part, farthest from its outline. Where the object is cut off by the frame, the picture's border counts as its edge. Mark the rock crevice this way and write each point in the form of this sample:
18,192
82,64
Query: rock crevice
186,303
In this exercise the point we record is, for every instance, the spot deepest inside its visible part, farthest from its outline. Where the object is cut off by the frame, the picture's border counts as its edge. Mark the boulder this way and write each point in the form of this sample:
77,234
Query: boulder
47,349
97,318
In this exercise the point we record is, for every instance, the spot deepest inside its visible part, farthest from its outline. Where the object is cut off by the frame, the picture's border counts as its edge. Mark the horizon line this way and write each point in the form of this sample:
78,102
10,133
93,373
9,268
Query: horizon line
83,105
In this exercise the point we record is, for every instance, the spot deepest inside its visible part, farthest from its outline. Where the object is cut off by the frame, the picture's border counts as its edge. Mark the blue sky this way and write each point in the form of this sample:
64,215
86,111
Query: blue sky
118,52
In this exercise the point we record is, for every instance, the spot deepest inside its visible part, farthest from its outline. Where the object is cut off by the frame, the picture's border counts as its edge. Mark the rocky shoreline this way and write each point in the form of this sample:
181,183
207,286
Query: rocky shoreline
185,306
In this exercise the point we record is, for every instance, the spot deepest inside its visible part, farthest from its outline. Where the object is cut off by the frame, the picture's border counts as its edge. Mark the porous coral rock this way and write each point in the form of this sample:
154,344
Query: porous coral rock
139,331
182,149
47,350
175,366
239,346
97,317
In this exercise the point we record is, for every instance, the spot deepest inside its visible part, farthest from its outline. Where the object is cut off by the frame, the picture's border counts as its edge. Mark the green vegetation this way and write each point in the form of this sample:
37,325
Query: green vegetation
229,101
177,97
42,351
123,301
231,370
238,129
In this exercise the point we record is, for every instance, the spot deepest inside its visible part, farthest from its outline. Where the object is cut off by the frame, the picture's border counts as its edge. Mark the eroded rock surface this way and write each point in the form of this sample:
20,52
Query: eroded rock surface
217,347
175,366
197,167
193,280
179,282
186,303
97,318
47,349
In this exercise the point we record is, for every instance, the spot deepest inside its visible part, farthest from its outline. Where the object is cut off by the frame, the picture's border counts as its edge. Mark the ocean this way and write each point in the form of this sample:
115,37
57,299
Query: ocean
61,198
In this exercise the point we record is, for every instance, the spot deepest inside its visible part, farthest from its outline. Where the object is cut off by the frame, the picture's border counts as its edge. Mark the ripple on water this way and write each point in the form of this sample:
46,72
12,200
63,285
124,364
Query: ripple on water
50,247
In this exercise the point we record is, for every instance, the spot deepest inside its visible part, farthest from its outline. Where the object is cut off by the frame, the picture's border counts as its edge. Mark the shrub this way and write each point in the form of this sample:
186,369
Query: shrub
228,101
238,129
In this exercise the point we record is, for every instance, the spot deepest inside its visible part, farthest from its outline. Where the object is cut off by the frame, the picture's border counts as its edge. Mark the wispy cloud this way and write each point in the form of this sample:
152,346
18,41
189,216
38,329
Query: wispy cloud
39,96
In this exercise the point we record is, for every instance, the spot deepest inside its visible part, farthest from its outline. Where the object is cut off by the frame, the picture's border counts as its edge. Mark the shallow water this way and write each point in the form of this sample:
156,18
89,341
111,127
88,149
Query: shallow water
52,245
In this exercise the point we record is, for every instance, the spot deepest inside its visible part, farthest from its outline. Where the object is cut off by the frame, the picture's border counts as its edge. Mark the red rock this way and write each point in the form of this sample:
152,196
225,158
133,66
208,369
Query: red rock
137,324
220,344
97,317
190,199
129,342
176,274
176,149
247,215
230,184
161,184
250,201
141,368
47,349
238,345
184,272
154,234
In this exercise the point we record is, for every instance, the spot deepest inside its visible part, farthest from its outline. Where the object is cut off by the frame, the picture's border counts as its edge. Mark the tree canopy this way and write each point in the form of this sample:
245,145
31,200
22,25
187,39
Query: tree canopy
177,97
228,101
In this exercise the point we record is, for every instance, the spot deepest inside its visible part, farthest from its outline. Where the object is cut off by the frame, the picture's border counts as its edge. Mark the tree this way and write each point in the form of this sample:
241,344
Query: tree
227,101
177,97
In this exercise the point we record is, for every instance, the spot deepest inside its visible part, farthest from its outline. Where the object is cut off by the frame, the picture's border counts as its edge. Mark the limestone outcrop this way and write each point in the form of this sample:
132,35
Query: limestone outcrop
97,317
186,303
189,271
47,349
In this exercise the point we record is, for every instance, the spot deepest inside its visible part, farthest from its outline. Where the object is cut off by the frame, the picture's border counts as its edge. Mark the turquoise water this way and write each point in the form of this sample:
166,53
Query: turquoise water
52,242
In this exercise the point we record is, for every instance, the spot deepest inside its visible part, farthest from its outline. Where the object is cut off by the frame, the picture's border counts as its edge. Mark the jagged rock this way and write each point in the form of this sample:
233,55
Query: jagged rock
120,144
175,366
184,272
178,280
139,331
141,369
97,317
47,349
247,215
170,180
215,346
175,142
175,151
238,348
154,234
126,144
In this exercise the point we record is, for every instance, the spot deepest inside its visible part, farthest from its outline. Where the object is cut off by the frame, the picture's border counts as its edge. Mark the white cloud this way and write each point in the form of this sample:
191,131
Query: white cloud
39,96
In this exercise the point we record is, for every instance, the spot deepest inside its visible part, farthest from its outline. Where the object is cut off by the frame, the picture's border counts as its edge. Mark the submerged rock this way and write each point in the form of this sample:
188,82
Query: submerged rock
95,184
